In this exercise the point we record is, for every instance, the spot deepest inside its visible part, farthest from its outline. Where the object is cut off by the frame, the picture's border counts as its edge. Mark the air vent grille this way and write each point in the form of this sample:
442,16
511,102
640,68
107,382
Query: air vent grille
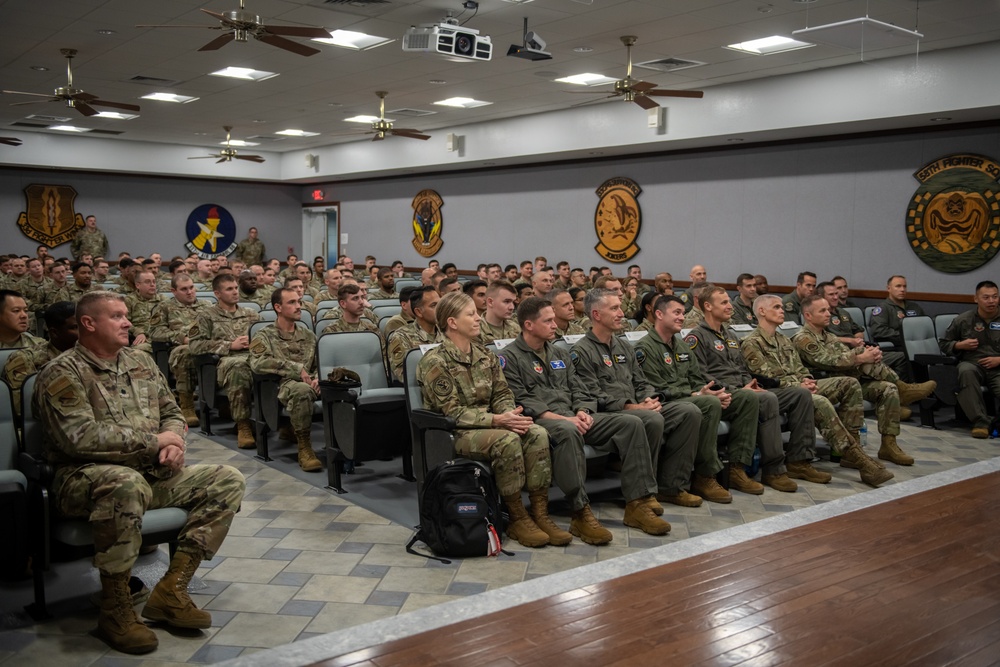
669,64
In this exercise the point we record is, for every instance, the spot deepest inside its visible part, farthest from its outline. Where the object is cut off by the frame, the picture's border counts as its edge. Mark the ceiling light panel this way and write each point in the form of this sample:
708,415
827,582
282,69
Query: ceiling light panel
244,73
169,97
358,41
297,133
462,103
587,79
766,46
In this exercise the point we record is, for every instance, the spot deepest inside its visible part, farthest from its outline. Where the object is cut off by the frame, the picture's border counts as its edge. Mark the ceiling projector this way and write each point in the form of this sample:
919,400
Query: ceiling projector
448,40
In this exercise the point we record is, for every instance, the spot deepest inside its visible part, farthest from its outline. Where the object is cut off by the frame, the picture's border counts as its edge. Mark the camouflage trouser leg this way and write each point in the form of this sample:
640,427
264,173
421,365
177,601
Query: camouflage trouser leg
114,499
833,426
182,367
517,461
885,396
298,398
235,379
879,371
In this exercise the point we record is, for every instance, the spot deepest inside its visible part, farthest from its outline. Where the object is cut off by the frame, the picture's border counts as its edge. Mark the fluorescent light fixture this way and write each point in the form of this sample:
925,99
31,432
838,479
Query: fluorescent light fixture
587,79
169,97
239,143
359,41
518,2
245,73
765,46
69,128
462,102
297,133
364,119
117,115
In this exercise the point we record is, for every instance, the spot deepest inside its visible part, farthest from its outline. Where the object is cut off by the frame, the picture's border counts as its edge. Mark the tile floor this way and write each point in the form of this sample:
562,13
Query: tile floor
301,561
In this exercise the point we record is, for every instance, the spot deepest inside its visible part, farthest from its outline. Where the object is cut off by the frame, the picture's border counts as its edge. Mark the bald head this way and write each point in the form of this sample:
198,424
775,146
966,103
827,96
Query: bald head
698,274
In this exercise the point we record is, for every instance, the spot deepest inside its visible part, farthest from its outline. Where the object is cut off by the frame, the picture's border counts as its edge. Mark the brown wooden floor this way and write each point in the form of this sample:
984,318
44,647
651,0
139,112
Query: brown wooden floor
914,581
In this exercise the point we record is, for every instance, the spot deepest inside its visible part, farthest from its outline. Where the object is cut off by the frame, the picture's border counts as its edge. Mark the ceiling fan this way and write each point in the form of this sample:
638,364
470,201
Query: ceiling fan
240,25
639,92
228,154
10,141
74,97
382,127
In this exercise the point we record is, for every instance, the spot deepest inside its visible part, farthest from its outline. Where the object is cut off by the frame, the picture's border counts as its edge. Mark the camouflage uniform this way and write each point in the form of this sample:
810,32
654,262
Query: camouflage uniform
671,367
887,326
842,324
47,298
34,294
73,292
23,364
718,354
645,325
572,329
610,378
742,313
22,340
471,389
488,333
212,333
140,312
274,351
544,381
101,419
362,325
382,294
972,376
775,356
260,297
250,251
693,318
397,322
878,382
170,323
86,242
405,339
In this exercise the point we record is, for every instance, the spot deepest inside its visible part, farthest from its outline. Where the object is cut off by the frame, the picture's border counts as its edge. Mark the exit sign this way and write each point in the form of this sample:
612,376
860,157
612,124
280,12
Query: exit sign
317,195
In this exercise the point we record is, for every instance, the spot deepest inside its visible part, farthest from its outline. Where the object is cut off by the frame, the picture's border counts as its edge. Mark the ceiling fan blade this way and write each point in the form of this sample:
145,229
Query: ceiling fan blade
114,105
288,45
643,86
51,99
297,31
203,157
411,134
18,92
223,159
164,25
645,102
215,15
586,92
10,141
84,108
251,158
379,136
84,97
695,94
218,42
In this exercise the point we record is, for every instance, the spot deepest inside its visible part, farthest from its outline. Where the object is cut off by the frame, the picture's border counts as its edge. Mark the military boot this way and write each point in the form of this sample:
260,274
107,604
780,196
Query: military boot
905,413
521,526
710,489
911,393
890,451
739,480
244,435
872,472
117,624
307,457
804,470
169,602
781,482
586,526
187,408
540,515
286,433
638,514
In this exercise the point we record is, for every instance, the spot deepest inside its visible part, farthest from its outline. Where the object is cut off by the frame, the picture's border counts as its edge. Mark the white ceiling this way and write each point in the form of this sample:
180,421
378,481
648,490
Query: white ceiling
316,93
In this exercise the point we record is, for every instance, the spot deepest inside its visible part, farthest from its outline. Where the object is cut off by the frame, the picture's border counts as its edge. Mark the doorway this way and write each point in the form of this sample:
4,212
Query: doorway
321,233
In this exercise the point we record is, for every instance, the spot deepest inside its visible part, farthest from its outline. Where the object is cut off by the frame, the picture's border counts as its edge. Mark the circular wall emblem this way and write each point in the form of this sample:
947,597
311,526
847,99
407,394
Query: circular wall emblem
210,231
427,222
953,220
618,219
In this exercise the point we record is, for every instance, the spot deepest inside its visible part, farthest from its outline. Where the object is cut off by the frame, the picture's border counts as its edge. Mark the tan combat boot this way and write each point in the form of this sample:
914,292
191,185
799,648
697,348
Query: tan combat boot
117,624
805,470
890,451
911,393
244,435
638,514
709,489
780,482
681,498
586,526
307,457
169,602
905,413
739,480
540,515
187,409
521,526
286,433
872,472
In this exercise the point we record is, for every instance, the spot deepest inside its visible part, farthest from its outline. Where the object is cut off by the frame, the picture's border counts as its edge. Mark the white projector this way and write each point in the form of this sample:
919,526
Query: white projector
448,40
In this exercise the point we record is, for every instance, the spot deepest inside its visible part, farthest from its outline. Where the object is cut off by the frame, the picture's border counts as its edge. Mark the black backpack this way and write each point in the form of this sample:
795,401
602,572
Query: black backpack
460,511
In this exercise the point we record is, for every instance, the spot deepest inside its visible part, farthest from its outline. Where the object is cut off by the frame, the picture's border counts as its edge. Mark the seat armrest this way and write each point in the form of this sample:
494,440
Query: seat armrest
36,469
161,346
426,419
934,360
211,358
331,394
266,377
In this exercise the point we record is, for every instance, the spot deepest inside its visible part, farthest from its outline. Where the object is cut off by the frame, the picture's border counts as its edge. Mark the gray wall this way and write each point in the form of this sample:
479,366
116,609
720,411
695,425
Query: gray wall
147,214
831,207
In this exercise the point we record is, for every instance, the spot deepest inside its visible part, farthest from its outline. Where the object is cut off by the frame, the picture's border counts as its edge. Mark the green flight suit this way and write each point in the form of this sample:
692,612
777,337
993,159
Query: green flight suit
972,376
887,326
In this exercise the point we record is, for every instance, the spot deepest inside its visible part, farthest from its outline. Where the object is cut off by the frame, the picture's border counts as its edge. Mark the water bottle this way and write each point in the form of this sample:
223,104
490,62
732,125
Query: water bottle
863,434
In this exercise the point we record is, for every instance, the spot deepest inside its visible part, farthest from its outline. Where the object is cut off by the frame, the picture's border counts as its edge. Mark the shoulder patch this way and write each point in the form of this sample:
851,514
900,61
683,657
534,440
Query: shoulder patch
640,356
574,357
790,307
500,357
691,340
442,386
684,297
258,346
877,310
